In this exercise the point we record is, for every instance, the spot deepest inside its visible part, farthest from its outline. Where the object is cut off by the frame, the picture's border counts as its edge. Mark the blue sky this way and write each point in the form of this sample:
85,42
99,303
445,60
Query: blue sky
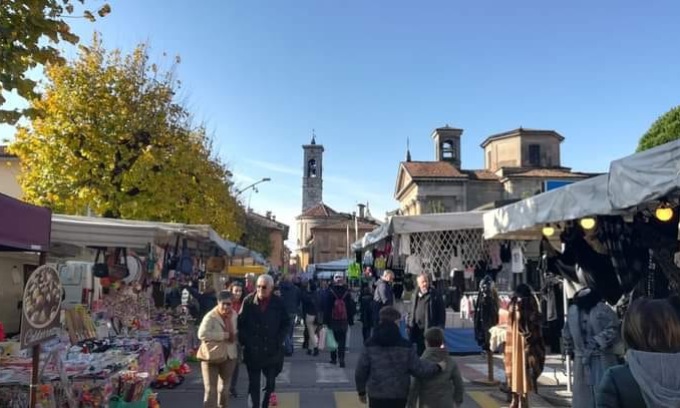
367,75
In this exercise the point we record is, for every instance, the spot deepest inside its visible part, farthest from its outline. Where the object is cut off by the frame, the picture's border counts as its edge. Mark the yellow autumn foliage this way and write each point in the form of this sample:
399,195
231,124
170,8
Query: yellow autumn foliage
111,137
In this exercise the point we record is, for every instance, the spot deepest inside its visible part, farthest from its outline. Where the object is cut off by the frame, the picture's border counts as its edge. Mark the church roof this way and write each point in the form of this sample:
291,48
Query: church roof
320,210
521,132
544,173
432,169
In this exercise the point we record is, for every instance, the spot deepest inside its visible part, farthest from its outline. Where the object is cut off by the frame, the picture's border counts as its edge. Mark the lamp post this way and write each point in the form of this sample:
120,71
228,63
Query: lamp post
264,180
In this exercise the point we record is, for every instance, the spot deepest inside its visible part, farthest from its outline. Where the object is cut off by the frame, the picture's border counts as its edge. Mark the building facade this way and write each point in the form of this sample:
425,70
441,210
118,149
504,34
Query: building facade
10,169
518,164
279,256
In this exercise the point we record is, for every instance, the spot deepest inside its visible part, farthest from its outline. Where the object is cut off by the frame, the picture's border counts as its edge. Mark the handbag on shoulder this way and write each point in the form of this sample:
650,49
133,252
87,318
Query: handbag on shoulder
213,352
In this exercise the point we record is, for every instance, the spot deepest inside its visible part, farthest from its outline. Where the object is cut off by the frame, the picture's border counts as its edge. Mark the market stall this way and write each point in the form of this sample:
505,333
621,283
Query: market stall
450,247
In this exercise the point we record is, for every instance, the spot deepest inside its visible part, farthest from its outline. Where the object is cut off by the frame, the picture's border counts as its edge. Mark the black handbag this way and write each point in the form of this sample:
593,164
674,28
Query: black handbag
119,270
100,269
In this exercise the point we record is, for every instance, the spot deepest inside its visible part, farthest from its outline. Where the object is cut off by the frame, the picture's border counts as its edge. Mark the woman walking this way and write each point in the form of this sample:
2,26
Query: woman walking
218,351
310,309
236,289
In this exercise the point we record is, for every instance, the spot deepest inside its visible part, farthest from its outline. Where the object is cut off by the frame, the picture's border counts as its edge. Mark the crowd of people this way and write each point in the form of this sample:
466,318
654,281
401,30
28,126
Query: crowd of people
616,364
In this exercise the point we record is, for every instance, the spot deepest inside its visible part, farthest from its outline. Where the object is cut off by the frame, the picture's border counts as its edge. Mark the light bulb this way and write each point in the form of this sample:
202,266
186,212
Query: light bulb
664,213
548,231
588,223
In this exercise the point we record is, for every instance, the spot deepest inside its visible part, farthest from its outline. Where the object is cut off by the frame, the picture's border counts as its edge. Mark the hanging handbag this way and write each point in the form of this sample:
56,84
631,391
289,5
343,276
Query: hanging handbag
173,260
100,269
214,352
186,262
119,270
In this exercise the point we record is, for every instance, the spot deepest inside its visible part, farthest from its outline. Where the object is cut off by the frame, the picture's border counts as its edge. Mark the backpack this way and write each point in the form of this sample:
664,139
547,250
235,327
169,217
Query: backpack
339,311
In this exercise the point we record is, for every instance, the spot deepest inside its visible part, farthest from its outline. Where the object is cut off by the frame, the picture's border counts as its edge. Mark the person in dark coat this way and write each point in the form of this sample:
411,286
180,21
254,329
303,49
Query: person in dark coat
339,321
387,362
292,299
383,295
262,328
427,311
650,377
310,310
366,311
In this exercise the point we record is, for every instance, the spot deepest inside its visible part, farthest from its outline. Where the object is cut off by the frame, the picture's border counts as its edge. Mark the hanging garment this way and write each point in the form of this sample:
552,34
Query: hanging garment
464,307
414,265
456,261
405,244
495,255
506,253
518,265
524,350
591,336
368,258
486,313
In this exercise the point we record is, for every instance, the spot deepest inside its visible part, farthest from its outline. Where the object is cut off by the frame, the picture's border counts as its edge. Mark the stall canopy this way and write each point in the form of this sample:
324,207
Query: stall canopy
643,177
339,265
408,224
23,227
106,232
520,220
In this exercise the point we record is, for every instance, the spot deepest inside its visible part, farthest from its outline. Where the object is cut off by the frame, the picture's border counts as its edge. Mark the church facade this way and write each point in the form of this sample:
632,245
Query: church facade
324,234
518,164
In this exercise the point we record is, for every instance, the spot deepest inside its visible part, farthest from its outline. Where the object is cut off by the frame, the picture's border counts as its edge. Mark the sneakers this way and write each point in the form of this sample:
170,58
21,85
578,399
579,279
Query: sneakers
273,400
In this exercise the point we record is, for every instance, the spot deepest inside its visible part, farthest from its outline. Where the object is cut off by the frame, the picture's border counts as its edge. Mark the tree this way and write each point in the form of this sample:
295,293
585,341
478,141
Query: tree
664,130
29,30
110,138
256,237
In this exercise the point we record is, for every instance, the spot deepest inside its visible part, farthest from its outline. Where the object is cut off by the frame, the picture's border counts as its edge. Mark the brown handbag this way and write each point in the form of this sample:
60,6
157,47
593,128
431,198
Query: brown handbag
214,352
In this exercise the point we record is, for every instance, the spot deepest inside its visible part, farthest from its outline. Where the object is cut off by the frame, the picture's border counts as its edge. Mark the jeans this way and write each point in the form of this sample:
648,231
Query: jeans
216,380
366,332
254,375
341,339
386,403
234,376
288,344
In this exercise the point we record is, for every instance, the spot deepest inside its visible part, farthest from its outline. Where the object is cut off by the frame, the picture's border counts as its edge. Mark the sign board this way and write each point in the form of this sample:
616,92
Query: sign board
553,184
40,315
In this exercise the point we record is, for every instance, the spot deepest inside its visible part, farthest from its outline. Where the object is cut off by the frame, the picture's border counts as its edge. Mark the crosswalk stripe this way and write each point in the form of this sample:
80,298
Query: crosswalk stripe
288,400
330,374
347,399
483,400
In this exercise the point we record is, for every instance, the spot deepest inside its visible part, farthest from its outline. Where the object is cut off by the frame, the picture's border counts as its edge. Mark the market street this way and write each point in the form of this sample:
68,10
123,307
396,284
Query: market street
313,382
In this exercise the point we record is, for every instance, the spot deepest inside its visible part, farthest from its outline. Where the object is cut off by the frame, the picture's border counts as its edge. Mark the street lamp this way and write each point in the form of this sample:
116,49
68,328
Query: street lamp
264,180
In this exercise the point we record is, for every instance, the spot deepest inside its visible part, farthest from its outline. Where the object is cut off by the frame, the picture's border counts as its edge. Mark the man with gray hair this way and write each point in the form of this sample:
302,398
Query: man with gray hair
427,311
262,328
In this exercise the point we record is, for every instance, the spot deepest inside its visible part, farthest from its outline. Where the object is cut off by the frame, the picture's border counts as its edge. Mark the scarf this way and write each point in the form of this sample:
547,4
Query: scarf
228,326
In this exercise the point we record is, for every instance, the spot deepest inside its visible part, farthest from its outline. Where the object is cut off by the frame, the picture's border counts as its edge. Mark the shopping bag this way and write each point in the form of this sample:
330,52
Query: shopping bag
331,344
322,338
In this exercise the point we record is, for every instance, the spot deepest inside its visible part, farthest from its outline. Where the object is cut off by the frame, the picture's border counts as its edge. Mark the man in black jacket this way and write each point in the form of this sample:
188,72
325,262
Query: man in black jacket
262,328
427,311
383,295
337,319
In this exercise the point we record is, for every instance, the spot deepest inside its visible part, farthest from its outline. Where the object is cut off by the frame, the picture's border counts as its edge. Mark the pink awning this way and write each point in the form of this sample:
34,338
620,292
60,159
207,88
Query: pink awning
24,227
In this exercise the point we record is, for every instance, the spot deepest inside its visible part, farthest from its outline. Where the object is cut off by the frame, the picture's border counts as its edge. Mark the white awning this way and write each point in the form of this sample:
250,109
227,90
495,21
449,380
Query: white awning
106,232
408,224
646,176
523,219
339,265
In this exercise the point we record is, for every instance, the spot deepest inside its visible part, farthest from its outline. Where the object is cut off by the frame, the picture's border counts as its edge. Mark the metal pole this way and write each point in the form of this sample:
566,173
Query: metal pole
566,307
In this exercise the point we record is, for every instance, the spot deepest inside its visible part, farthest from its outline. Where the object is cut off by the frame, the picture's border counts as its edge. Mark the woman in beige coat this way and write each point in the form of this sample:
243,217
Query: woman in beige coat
218,352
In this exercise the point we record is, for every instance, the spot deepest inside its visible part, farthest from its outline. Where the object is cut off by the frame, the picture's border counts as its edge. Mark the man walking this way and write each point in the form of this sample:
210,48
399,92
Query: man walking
427,311
292,299
383,295
339,314
262,328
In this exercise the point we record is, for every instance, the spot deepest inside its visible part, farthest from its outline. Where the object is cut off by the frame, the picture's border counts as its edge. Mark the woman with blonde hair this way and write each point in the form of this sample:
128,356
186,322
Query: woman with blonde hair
218,351
651,377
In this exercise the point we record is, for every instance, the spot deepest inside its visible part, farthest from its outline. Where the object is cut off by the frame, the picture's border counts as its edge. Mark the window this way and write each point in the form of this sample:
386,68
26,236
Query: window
311,169
449,151
534,155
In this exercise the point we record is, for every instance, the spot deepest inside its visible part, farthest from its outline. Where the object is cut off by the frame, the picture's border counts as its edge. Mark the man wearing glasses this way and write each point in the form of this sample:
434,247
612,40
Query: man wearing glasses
262,328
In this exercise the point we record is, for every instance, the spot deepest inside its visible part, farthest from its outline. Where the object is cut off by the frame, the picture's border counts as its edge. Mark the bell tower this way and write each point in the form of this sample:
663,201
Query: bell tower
312,175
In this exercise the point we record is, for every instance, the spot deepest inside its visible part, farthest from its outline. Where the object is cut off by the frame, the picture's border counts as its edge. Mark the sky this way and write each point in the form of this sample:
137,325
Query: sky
368,75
